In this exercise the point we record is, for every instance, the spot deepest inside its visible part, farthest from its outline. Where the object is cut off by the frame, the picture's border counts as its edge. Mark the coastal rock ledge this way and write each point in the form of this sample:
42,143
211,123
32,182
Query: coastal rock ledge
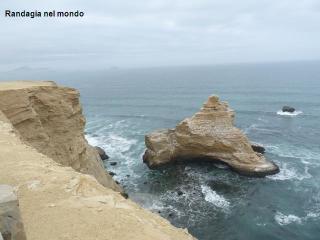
63,190
208,135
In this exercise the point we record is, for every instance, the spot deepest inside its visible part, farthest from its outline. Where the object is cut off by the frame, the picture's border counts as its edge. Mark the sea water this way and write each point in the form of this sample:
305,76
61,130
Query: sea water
121,106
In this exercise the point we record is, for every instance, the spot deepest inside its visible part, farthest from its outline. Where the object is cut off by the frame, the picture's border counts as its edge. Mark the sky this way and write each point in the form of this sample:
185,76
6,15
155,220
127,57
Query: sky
151,33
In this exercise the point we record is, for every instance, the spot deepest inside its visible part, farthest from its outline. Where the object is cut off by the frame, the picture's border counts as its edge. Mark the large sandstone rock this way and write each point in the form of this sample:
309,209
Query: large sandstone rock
208,135
49,118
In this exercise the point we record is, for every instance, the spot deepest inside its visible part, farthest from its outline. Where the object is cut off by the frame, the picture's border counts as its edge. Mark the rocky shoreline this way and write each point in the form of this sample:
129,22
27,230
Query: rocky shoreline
63,189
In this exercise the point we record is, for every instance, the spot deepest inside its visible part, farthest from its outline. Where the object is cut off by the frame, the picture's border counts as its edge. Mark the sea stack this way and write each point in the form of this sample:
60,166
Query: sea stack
208,135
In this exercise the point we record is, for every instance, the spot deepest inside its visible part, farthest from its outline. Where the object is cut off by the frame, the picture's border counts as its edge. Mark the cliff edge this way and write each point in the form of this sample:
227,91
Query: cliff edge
62,191
49,118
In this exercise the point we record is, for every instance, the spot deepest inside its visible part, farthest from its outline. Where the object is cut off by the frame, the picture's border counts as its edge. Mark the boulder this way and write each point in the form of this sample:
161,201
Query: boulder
179,192
102,153
258,148
11,226
208,135
288,109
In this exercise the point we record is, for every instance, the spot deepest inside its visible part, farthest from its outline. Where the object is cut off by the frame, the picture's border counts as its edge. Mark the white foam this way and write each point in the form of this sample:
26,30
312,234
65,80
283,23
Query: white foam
287,173
256,127
295,113
313,215
92,140
283,219
306,156
214,198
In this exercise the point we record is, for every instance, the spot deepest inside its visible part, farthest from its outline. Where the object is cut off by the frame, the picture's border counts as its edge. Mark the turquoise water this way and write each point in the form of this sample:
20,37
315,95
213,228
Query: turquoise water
121,106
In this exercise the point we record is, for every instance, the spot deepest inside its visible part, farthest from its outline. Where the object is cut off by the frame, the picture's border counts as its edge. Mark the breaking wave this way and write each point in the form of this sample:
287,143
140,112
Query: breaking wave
306,156
287,173
214,198
295,113
283,219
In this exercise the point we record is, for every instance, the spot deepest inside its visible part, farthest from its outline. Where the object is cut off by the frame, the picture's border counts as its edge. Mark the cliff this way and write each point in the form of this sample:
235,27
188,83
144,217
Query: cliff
44,155
208,135
49,118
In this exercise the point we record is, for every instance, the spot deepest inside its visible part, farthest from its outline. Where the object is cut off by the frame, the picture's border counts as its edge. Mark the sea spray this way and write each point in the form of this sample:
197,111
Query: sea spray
214,198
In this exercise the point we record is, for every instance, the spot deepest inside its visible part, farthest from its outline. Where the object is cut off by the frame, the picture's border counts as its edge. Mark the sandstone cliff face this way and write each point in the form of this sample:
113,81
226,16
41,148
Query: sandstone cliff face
210,135
49,118
57,202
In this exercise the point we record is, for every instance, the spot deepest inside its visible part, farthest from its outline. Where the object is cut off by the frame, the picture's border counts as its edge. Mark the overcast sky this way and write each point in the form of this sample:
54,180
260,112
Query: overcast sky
143,33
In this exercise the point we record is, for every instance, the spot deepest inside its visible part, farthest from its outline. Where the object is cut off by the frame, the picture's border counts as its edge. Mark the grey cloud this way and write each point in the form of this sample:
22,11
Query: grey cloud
160,32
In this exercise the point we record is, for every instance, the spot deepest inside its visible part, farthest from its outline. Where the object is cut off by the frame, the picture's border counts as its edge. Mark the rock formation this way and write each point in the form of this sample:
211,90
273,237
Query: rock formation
288,109
49,118
56,201
11,225
102,153
258,148
208,135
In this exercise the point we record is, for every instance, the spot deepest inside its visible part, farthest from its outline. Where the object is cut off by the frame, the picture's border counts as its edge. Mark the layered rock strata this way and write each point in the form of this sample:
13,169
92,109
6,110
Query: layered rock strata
49,118
56,201
208,135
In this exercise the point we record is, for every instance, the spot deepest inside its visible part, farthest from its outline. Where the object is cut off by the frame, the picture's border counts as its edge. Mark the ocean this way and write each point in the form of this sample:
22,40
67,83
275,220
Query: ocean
122,105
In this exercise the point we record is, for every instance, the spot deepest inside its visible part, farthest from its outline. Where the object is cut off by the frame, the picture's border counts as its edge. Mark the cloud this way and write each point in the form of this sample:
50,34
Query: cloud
160,32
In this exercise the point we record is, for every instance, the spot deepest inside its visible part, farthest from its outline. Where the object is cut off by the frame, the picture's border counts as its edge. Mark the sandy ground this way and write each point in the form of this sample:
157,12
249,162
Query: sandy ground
14,85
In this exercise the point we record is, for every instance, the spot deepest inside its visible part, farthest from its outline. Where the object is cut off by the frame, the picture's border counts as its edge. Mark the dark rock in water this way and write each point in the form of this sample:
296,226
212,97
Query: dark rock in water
144,182
179,192
258,148
102,153
117,182
112,174
11,225
170,215
127,175
288,109
159,211
113,163
223,187
125,195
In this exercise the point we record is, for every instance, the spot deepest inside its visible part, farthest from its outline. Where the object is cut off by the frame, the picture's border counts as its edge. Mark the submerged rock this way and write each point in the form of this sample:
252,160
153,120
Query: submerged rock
102,153
222,187
179,192
208,135
288,109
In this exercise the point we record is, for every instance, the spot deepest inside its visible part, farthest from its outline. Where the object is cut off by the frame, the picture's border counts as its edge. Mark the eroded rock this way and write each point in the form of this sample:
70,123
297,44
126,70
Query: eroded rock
208,135
102,153
49,118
